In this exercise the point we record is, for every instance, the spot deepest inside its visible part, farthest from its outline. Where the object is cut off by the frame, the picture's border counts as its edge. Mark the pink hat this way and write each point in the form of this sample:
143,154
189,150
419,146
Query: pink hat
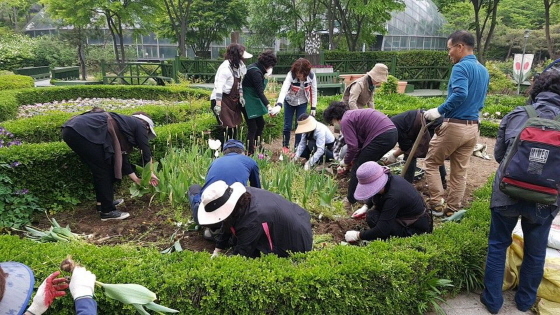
372,177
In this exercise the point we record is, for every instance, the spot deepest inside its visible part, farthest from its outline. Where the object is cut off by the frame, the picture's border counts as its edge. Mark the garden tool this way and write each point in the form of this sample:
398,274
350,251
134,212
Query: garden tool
416,143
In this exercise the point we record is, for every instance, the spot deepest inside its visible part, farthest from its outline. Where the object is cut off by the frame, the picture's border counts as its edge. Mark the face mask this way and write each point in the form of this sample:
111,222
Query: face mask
268,72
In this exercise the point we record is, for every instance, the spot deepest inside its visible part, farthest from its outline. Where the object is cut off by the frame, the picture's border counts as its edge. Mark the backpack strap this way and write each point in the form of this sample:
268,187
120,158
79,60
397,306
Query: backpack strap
531,111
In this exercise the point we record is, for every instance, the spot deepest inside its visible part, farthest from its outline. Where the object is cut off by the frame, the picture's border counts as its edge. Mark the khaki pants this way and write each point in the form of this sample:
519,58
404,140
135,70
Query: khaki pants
456,141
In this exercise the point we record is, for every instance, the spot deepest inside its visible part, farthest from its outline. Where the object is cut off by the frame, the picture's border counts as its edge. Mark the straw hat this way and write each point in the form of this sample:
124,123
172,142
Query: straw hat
372,177
218,201
306,125
19,286
379,73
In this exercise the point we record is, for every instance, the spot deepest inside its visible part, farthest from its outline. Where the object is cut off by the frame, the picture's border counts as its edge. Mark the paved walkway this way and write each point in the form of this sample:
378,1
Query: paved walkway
469,304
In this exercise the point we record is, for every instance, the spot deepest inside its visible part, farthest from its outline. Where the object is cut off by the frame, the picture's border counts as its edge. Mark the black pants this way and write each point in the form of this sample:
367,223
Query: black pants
409,176
374,151
254,134
423,225
311,147
224,133
102,170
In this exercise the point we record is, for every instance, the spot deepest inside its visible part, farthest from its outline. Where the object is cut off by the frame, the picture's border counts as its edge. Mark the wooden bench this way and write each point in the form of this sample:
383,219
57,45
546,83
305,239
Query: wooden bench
329,83
37,73
135,80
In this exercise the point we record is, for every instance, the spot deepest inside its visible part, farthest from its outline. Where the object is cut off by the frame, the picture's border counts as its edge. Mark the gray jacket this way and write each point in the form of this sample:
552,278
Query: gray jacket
547,105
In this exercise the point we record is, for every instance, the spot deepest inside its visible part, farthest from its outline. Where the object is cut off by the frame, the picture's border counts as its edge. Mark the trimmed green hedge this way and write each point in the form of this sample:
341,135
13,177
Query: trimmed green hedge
9,102
14,81
392,277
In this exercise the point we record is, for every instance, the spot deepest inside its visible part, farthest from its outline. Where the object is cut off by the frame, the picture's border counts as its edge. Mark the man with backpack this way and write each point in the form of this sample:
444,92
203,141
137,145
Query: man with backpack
523,162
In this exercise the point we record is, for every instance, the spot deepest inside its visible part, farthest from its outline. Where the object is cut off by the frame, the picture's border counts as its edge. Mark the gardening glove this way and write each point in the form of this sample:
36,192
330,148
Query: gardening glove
242,101
216,253
217,110
341,170
360,213
352,236
82,283
432,114
390,159
313,112
275,110
51,288
306,166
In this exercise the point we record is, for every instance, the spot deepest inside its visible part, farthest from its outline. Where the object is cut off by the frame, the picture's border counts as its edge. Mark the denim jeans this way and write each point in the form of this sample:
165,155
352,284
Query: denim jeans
194,200
535,222
289,112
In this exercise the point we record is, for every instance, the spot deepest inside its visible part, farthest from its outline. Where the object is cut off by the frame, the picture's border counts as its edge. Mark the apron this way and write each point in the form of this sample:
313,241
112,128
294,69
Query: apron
253,103
231,108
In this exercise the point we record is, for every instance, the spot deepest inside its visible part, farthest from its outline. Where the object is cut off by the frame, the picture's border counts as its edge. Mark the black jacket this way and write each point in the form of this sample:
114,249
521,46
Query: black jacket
289,227
254,79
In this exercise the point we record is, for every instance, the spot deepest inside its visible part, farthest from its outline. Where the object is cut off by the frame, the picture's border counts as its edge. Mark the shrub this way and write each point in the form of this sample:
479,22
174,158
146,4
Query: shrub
14,81
500,83
389,87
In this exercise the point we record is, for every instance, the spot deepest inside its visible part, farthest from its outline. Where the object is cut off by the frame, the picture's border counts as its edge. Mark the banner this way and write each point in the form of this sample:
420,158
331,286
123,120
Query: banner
527,62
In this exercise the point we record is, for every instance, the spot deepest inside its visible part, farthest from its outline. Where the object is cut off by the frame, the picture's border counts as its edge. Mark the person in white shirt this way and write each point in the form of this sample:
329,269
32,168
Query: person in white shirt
226,99
316,142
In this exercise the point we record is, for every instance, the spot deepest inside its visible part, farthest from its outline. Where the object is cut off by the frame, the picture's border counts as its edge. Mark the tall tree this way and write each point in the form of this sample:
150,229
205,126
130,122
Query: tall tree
361,20
14,11
549,44
178,14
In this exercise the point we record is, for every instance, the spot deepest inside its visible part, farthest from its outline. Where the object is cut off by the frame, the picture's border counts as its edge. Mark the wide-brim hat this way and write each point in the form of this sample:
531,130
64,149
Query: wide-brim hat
247,55
372,177
150,124
379,73
19,286
218,201
306,125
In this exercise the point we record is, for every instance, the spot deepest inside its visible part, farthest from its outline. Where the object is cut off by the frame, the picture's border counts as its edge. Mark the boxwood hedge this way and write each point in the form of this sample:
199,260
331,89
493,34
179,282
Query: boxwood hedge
14,81
392,277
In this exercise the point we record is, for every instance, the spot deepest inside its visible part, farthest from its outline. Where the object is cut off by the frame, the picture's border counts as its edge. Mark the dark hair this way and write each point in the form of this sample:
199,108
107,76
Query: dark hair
268,59
548,81
234,54
233,150
462,37
97,109
335,111
302,66
3,277
303,116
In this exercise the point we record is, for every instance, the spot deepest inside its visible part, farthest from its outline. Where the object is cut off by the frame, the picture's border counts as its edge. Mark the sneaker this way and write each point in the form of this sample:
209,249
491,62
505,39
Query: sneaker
114,215
486,305
118,202
285,150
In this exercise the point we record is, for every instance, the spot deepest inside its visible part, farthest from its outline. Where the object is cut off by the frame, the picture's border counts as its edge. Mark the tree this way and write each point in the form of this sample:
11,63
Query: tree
178,13
13,11
547,6
212,20
361,20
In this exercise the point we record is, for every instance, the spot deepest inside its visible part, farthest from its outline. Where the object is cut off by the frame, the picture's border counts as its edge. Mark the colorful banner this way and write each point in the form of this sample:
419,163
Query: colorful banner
527,62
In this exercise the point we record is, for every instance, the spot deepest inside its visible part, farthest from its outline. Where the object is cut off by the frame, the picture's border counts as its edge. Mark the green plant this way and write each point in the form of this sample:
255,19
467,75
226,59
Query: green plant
17,205
14,81
389,87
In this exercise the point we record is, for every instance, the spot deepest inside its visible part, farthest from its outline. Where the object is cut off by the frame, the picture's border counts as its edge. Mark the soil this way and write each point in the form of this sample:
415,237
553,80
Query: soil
151,224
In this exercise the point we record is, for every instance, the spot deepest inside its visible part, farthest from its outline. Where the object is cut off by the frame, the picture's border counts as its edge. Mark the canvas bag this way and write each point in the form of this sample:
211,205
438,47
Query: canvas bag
531,167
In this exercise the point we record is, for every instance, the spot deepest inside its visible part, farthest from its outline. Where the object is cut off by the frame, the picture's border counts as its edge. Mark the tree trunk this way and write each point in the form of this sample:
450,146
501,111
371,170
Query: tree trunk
550,47
82,59
111,26
182,38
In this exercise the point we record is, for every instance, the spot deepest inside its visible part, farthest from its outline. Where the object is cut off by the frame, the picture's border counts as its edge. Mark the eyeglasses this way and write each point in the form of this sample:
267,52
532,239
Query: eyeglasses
449,48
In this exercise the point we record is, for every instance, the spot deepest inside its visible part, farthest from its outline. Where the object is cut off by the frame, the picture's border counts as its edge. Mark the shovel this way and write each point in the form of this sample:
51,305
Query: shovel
416,144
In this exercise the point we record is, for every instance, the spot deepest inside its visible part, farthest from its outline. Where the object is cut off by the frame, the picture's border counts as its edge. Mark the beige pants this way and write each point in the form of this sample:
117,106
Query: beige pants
456,141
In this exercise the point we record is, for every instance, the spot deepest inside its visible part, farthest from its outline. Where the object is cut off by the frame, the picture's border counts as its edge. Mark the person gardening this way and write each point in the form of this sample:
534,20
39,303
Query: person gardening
260,222
316,142
103,141
16,286
399,209
359,93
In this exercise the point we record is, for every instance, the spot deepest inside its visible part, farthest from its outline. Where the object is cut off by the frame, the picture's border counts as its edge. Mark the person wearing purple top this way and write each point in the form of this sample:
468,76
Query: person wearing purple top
368,133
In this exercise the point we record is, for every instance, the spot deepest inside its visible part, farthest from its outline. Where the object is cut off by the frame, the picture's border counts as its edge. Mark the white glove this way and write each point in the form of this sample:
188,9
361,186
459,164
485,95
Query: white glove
342,164
360,213
51,288
352,236
275,110
432,114
306,166
218,109
216,253
82,283
242,101
390,159
313,112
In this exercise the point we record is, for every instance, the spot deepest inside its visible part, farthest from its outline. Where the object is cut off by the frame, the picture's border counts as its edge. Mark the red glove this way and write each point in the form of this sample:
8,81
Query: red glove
51,288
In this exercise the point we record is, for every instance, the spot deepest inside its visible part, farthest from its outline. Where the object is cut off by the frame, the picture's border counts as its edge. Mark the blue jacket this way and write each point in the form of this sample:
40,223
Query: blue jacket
547,105
466,90
232,168
85,306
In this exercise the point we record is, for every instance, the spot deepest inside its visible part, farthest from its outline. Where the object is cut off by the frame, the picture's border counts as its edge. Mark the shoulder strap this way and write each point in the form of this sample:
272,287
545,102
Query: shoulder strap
531,111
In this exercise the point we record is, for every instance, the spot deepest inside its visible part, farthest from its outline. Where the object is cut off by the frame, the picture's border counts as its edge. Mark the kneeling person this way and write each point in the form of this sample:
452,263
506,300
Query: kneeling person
260,222
399,208
316,142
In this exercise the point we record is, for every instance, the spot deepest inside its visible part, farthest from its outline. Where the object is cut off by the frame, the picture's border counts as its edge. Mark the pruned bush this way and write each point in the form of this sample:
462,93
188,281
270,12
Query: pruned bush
14,81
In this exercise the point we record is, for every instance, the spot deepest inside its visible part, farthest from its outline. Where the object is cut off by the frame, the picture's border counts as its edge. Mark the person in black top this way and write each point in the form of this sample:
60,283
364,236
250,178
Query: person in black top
256,103
408,125
399,208
103,141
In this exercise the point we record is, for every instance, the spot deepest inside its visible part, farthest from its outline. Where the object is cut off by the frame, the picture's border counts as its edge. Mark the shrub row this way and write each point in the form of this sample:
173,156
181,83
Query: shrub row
14,81
11,100
393,277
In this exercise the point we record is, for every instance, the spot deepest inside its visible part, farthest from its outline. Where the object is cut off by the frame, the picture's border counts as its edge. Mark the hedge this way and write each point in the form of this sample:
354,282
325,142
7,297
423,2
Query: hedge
9,102
392,277
14,81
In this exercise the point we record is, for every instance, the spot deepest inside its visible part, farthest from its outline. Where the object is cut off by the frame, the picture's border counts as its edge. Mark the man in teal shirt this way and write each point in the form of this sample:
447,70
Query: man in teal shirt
457,135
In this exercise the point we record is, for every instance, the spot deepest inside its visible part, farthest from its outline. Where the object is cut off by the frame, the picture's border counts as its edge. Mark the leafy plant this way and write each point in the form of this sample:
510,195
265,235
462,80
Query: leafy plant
16,205
389,87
